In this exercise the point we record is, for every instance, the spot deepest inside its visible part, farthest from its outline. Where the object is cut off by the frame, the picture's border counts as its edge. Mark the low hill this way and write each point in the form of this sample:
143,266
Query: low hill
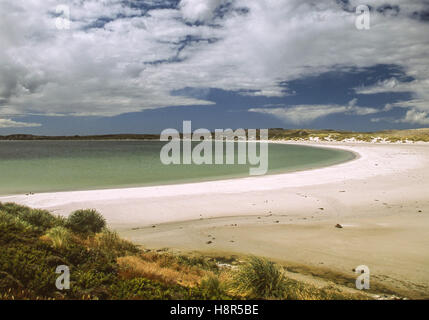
412,135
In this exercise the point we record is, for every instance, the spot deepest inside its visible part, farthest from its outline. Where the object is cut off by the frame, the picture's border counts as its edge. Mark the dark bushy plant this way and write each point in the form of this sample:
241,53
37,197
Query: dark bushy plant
86,221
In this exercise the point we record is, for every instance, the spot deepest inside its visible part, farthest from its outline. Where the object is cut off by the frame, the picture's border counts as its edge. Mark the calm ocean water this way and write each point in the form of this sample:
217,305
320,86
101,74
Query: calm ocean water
42,166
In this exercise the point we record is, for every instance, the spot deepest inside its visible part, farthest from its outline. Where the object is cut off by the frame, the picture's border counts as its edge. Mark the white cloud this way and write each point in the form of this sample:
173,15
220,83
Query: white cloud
302,114
8,123
419,104
199,10
416,117
418,88
388,85
134,62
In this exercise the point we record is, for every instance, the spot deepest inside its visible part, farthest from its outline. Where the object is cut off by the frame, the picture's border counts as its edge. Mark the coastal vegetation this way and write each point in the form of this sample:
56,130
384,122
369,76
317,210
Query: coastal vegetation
393,136
103,266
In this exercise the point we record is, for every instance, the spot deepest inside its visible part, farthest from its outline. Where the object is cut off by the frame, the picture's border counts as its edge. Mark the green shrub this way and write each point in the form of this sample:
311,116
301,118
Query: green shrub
141,288
40,220
9,221
14,209
27,264
260,279
91,279
86,221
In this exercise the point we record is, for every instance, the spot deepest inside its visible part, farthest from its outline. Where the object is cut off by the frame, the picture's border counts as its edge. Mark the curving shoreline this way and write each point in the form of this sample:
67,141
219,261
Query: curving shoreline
361,167
83,166
380,199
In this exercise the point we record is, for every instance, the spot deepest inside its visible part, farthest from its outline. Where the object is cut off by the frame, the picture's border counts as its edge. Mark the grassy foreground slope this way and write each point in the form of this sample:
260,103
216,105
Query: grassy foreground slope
103,266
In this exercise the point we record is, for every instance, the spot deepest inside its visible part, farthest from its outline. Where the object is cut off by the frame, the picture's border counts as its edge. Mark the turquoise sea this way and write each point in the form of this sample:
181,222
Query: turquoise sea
43,166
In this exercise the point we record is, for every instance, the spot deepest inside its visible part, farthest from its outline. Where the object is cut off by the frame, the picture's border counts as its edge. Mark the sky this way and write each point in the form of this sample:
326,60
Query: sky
140,66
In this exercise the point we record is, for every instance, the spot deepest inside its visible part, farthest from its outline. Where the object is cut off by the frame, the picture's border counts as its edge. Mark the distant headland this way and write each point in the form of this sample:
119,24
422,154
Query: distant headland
395,136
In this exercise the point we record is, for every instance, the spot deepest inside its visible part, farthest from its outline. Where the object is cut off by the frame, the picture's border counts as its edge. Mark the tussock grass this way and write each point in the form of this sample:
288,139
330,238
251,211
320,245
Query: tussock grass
86,222
110,240
213,287
259,278
59,236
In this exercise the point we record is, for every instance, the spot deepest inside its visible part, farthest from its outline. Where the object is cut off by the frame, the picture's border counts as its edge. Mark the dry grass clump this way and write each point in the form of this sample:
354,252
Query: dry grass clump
160,269
108,242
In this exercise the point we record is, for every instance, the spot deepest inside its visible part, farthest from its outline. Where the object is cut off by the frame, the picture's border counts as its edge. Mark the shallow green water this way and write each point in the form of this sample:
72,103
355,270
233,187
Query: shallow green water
41,166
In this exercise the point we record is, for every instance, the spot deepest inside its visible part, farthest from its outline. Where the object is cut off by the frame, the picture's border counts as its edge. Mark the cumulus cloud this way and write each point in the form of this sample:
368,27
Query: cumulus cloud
118,58
302,114
416,117
418,107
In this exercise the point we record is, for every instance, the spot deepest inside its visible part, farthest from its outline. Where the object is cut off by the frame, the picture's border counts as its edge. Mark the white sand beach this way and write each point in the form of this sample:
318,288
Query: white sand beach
381,199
